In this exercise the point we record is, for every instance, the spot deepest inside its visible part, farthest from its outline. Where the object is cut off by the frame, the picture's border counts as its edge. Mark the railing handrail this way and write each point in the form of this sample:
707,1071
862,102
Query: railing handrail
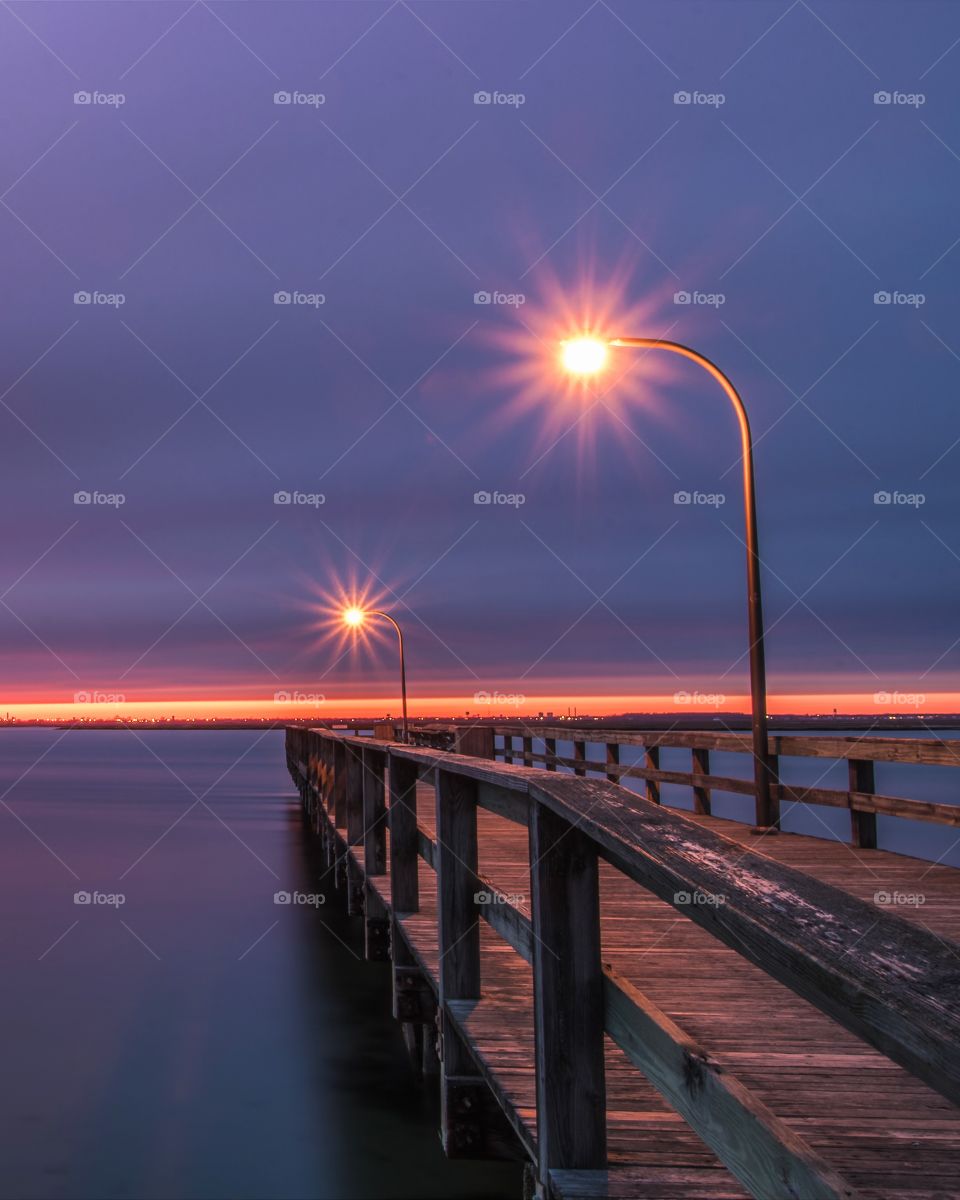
860,753
886,980
931,752
899,970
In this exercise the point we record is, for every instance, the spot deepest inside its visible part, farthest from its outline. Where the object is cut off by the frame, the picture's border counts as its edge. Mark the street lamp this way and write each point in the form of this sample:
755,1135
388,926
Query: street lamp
588,356
354,618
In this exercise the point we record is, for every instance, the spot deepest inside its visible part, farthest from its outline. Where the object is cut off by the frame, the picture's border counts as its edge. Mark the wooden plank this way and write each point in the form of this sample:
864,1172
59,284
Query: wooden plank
505,802
756,1146
567,997
404,844
883,978
374,813
894,806
649,1182
427,849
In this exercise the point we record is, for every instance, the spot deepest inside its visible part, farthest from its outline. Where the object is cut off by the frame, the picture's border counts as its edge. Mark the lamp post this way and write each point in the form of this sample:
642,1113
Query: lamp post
354,618
587,356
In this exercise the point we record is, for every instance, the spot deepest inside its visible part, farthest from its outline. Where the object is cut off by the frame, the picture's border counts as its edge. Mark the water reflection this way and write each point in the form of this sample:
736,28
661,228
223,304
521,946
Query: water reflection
197,1040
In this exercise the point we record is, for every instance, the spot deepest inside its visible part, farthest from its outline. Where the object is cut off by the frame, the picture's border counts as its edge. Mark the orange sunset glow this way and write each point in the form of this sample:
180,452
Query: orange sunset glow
307,703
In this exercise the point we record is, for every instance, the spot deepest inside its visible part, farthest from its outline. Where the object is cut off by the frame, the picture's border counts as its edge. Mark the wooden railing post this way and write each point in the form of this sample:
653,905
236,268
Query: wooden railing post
374,813
613,760
459,924
567,996
652,762
772,818
862,777
404,849
376,917
700,764
354,806
580,757
528,751
459,946
550,751
354,796
476,740
508,747
340,784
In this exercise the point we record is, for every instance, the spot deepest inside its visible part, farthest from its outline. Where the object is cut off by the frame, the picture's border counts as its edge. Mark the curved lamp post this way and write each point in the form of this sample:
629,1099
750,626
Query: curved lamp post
587,356
354,618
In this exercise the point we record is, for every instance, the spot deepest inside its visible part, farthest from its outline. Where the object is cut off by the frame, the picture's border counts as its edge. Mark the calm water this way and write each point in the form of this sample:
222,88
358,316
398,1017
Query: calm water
199,1040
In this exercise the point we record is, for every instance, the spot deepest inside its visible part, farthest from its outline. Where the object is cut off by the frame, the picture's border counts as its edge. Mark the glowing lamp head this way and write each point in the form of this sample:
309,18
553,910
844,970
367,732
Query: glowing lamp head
584,355
353,617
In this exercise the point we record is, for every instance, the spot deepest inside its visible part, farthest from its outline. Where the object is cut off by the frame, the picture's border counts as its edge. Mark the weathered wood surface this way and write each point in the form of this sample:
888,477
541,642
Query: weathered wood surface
831,1105
863,804
845,1101
934,751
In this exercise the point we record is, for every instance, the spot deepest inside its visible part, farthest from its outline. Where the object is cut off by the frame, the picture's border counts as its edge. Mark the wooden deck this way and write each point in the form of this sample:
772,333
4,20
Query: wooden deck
869,1127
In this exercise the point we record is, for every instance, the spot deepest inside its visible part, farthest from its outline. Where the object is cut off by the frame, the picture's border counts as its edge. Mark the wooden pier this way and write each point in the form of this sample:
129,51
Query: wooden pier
647,1004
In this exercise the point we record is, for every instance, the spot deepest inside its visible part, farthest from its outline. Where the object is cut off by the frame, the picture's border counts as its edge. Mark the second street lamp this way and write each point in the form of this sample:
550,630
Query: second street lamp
587,356
354,618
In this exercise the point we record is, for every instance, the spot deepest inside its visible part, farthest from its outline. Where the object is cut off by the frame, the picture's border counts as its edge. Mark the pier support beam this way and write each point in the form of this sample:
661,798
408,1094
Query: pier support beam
459,942
567,997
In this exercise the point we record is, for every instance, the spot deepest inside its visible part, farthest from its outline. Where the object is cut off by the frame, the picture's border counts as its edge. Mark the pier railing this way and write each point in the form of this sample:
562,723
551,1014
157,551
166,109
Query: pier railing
883,978
514,743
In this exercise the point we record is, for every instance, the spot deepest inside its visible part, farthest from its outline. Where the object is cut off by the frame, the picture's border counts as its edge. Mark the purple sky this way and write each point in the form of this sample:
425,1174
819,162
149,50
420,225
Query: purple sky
797,199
